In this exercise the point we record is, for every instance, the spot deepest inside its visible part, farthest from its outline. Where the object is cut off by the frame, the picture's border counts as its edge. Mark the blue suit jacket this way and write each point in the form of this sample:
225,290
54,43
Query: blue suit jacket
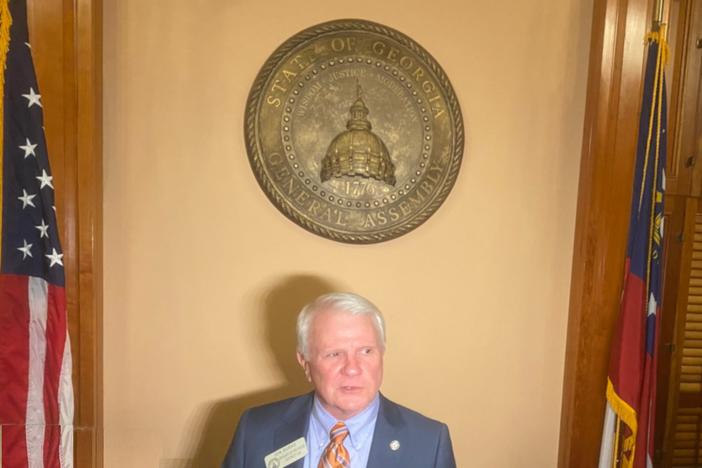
424,443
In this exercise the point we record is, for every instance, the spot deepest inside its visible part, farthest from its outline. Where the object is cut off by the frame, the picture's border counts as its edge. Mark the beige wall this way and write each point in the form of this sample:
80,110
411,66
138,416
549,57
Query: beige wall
199,266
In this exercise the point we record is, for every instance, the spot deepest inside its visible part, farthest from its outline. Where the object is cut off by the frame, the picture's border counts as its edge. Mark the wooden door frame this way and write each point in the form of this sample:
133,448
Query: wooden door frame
66,37
88,220
615,79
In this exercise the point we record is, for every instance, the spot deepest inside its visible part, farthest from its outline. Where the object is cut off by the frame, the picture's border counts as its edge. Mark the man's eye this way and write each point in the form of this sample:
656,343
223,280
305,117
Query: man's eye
333,354
367,350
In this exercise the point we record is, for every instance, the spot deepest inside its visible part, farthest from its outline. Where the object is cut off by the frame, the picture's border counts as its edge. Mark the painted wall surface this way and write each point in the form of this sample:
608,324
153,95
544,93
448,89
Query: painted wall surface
203,276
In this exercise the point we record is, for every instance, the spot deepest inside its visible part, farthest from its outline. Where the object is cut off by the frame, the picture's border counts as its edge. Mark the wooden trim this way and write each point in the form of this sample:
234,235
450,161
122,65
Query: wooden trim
89,224
678,180
67,49
604,193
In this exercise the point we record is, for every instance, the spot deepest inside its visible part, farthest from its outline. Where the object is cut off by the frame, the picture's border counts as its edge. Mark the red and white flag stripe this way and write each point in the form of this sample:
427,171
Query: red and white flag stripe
36,405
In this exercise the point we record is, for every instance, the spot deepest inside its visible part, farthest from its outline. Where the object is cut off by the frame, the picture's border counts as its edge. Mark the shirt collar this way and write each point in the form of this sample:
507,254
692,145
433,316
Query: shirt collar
357,425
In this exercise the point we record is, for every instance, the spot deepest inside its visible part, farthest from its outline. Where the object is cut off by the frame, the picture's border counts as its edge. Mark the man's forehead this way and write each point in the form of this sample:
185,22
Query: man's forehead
333,320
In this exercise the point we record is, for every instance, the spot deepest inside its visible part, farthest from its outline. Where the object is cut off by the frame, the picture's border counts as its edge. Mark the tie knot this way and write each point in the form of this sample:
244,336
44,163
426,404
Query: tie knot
339,432
336,455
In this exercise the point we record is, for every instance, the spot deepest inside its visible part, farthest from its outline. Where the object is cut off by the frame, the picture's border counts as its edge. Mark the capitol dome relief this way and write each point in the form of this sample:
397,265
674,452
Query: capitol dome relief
358,151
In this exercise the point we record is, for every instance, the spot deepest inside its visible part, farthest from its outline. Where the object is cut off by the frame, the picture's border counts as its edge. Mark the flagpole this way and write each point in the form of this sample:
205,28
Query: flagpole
658,11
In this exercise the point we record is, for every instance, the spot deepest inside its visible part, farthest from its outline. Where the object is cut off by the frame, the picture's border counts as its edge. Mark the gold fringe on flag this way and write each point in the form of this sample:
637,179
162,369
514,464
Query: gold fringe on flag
5,23
625,413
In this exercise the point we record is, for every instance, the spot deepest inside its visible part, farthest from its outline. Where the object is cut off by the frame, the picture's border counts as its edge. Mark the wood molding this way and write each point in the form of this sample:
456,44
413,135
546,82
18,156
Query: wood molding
609,141
89,233
66,38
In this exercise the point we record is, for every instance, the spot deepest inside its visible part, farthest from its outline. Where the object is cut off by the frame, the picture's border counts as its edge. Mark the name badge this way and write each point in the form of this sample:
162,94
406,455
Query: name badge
286,455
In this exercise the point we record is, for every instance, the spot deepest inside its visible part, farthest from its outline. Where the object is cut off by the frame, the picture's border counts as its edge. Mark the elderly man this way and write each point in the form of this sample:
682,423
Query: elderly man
345,422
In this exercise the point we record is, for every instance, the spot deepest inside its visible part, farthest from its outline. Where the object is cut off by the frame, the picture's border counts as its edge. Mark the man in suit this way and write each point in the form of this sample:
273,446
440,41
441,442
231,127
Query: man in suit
345,422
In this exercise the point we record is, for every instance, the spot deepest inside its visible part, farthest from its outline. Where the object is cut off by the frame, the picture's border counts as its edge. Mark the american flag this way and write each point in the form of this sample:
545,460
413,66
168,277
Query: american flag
628,434
36,393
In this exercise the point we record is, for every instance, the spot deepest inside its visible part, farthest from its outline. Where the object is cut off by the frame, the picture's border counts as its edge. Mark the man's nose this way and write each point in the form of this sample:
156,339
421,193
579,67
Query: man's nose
351,366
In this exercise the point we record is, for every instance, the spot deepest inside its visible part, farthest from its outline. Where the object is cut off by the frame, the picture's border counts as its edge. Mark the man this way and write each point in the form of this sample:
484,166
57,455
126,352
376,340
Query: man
345,422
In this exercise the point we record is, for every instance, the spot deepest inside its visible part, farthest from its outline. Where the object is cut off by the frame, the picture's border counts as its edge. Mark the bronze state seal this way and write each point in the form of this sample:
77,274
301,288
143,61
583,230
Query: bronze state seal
354,131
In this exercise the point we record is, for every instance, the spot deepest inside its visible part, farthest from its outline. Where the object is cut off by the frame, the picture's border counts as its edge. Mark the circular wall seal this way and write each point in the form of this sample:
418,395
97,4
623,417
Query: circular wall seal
354,131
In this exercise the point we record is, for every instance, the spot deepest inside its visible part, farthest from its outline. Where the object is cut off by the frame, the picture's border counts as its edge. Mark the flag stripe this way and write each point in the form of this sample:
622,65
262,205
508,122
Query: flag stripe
38,304
65,399
628,354
55,340
14,367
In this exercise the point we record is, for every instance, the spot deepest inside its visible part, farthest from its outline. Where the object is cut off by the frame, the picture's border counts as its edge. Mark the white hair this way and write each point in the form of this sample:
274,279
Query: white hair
342,302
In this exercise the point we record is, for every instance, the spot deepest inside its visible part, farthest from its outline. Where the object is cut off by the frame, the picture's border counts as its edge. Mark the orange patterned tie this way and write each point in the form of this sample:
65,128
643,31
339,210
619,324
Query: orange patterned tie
336,455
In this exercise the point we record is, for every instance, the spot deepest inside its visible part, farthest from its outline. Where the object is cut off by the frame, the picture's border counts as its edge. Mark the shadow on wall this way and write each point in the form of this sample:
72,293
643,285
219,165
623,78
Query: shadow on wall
280,309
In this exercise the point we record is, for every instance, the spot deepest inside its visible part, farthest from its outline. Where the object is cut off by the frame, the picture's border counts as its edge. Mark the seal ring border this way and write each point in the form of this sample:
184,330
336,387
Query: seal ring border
251,130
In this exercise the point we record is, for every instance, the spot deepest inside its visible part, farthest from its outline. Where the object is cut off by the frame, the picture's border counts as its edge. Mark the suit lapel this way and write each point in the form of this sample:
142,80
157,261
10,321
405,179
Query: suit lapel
389,427
295,422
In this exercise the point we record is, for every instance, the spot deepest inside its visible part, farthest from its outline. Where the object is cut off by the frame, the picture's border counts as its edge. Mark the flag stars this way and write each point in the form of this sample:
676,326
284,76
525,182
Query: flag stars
27,199
45,179
43,229
28,148
32,98
26,250
55,258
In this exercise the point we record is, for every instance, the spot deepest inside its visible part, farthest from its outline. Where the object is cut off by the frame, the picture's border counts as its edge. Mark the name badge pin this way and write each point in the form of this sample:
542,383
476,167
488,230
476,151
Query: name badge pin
286,455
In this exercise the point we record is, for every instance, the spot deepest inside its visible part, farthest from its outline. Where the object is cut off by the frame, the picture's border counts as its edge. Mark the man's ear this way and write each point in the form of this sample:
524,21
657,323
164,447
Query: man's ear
305,365
301,359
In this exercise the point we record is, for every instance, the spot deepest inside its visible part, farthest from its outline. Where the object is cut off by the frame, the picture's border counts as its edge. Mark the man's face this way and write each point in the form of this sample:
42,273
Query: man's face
345,361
